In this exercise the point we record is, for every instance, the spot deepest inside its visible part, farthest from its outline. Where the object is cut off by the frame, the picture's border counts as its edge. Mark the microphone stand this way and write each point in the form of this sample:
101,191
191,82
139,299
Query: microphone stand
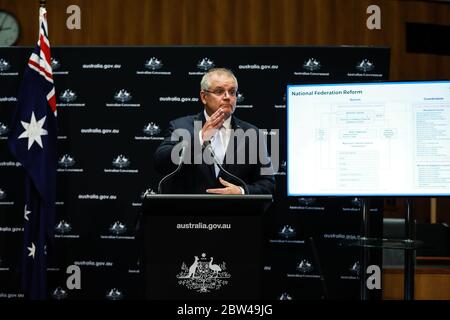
171,174
207,144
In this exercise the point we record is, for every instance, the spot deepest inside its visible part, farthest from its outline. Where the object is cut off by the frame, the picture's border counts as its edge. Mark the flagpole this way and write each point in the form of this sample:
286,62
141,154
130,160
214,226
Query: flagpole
39,159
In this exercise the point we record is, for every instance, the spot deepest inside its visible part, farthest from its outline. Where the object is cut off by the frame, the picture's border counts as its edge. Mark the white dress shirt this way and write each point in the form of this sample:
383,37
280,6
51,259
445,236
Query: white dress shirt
221,137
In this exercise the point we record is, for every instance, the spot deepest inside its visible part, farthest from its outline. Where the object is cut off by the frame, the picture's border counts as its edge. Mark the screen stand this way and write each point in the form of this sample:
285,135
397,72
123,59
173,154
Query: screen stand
365,207
410,254
409,244
319,267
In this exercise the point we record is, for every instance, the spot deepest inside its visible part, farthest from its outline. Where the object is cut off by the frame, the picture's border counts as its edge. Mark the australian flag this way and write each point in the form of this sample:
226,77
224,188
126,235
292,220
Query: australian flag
33,142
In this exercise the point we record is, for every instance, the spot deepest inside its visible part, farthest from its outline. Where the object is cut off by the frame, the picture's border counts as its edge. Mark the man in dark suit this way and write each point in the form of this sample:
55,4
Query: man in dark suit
213,139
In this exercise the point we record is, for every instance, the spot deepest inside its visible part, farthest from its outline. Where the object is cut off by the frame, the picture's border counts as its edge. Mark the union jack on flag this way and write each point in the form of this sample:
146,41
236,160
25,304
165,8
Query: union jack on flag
33,142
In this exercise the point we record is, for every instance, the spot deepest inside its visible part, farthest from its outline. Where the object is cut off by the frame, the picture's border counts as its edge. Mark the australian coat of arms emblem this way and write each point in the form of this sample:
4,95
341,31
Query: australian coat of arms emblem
203,275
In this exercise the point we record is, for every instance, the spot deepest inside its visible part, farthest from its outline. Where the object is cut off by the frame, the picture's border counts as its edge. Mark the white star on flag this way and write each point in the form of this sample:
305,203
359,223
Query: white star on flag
33,131
32,250
26,213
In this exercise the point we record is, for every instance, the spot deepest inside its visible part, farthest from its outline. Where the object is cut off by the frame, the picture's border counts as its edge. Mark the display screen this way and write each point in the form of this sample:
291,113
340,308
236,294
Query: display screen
369,139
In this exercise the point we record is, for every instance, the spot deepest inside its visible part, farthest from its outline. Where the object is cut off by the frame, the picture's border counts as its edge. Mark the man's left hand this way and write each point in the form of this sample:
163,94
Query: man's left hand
229,188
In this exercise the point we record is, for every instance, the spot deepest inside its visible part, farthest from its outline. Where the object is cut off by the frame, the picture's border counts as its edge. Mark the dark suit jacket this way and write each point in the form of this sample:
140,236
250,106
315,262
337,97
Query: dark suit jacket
196,178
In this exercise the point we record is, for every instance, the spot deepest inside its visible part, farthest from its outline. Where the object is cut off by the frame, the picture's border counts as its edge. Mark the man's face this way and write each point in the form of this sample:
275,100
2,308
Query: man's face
221,94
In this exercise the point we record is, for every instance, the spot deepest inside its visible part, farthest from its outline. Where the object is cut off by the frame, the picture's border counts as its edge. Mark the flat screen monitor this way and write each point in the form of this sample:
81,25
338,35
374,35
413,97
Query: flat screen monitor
369,139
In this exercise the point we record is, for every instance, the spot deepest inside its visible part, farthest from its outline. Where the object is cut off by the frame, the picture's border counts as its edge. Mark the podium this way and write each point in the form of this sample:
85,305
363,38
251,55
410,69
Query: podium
203,247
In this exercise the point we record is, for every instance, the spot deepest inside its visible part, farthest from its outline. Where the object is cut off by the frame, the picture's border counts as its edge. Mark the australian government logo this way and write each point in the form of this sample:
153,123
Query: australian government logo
117,231
203,65
121,163
68,96
153,66
123,99
3,198
240,99
311,67
2,194
284,296
117,228
203,275
365,68
59,293
56,66
67,99
66,163
287,234
3,131
147,193
123,96
151,131
5,66
63,229
114,294
303,269
353,272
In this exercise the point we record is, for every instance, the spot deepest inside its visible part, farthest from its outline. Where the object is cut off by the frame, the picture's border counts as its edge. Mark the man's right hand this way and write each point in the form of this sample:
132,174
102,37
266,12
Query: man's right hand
213,124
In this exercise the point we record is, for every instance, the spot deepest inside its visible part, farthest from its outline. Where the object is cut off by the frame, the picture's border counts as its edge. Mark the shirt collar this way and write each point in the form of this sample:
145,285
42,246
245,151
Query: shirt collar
226,123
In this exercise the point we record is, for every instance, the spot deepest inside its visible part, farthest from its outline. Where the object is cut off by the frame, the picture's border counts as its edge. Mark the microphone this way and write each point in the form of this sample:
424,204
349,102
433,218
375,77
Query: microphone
207,145
171,174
